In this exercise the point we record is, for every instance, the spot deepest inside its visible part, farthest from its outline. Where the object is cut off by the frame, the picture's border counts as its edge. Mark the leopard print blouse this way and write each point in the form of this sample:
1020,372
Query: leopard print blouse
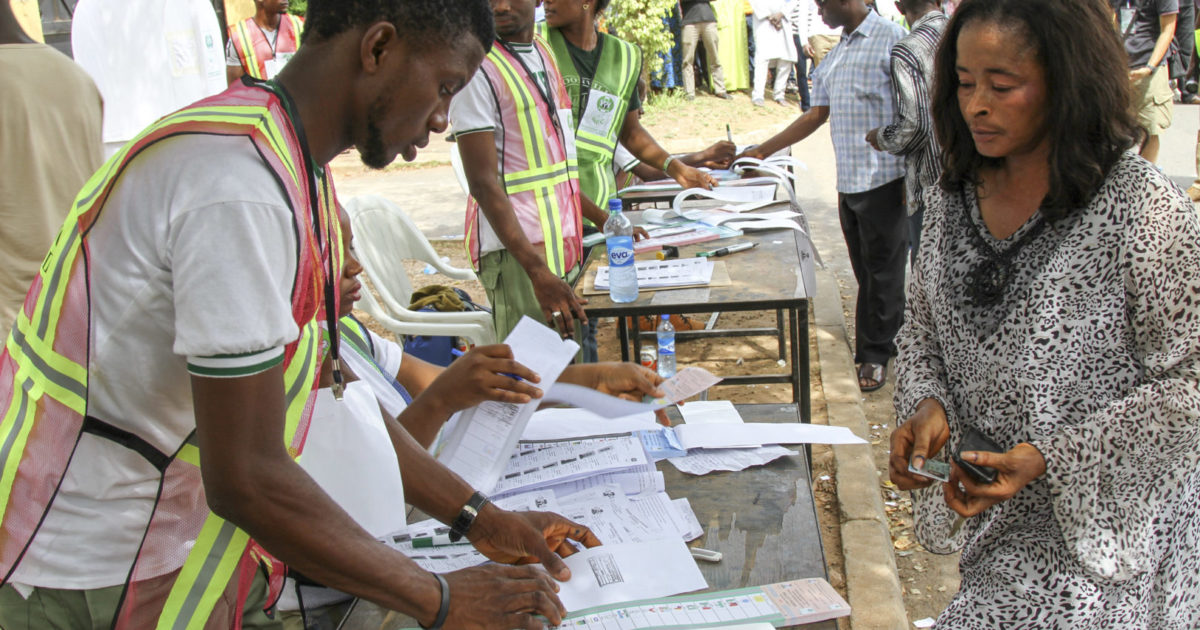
1093,356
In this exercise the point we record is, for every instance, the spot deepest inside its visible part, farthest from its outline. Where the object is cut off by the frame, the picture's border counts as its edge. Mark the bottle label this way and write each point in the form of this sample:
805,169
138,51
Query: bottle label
666,346
620,251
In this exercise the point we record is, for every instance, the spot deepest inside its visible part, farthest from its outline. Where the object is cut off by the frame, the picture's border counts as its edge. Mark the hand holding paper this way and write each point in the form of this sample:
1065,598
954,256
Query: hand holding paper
529,538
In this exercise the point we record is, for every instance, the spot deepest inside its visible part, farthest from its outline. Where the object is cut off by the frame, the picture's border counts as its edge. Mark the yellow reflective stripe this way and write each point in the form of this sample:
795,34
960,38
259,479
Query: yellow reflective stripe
14,429
518,178
189,453
64,380
540,182
297,28
526,110
251,56
547,202
297,379
205,575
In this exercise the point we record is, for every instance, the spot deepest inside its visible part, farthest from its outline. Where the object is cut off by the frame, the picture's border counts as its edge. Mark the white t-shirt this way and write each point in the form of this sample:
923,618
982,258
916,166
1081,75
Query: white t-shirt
475,110
194,256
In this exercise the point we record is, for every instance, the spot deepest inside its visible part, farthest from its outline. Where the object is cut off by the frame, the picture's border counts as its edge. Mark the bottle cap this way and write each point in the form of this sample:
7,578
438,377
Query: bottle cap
665,317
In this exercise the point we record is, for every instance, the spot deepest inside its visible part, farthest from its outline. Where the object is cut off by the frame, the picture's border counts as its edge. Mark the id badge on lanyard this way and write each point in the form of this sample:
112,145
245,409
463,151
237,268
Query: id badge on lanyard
274,66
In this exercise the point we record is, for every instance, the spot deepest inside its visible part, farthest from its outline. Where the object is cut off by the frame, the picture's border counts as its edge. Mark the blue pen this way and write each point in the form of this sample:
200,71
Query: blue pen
458,353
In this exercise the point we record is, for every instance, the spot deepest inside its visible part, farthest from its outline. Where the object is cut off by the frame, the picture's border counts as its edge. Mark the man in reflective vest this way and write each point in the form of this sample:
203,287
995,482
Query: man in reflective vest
159,380
600,72
261,46
524,216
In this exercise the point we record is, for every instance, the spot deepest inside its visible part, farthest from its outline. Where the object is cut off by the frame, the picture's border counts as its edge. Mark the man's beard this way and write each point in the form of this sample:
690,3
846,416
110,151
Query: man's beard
373,152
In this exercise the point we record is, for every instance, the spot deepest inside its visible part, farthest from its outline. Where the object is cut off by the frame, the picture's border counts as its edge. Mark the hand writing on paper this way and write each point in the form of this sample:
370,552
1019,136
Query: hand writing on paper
484,373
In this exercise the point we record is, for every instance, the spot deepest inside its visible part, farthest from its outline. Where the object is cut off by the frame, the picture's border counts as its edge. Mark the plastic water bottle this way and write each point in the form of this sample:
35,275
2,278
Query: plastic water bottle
666,348
618,238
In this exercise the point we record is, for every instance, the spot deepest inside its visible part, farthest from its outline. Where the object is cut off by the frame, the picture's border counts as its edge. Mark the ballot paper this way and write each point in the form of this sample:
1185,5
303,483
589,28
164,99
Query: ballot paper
686,383
676,272
702,461
637,481
742,435
791,603
567,461
570,423
483,437
718,217
624,572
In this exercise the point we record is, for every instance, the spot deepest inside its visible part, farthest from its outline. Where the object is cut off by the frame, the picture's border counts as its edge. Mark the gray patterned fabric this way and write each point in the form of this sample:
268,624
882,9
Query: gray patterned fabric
1092,356
911,135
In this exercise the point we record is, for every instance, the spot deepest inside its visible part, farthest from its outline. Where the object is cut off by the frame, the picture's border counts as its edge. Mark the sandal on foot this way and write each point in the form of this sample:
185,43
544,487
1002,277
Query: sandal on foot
871,372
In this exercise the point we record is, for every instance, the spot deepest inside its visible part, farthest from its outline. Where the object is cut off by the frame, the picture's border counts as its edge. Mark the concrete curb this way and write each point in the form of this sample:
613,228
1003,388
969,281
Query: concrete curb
872,582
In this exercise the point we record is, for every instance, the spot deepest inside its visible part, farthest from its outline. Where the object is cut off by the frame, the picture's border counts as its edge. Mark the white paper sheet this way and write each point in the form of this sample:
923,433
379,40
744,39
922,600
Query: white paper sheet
694,528
629,571
710,412
702,461
766,224
483,437
567,424
596,402
739,435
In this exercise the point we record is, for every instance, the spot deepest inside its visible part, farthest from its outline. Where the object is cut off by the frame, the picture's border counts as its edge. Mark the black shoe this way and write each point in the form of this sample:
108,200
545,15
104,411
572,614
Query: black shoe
725,96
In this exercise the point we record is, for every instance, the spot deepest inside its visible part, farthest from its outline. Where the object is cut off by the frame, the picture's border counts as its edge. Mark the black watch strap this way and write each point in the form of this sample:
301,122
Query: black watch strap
466,517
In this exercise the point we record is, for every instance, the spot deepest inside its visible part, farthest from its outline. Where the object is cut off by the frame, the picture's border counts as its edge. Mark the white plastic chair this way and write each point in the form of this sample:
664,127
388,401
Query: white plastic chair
384,238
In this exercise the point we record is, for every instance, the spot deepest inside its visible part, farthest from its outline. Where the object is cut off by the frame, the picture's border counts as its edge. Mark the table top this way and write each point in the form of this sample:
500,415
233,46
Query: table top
777,273
763,521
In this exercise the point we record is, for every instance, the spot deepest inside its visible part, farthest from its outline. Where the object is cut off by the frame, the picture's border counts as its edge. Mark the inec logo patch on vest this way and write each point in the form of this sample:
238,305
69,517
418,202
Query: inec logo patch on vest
598,117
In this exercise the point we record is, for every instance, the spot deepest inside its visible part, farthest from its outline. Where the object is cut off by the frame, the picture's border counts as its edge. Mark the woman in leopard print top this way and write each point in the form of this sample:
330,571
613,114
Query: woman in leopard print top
1055,308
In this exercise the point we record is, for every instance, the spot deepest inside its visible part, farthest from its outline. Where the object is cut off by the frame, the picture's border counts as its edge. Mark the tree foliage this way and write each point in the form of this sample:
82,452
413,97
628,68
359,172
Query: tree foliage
298,7
641,22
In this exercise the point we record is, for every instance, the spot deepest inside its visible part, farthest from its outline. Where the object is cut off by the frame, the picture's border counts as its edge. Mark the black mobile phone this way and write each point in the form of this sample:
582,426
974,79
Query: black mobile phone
973,440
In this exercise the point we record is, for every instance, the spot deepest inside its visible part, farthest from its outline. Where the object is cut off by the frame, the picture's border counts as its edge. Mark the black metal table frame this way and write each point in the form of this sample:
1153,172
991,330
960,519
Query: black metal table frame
797,318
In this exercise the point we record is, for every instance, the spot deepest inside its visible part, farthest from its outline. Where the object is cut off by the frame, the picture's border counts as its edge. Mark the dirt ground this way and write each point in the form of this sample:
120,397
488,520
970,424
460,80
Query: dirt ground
928,580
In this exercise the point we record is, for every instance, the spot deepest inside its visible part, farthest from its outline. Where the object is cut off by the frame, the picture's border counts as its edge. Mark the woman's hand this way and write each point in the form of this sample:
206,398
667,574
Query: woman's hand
922,435
623,380
484,373
1015,469
690,177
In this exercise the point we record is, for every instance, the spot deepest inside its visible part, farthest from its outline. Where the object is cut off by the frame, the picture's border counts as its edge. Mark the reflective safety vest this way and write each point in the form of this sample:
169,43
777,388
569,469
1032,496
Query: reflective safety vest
255,50
44,373
598,122
540,174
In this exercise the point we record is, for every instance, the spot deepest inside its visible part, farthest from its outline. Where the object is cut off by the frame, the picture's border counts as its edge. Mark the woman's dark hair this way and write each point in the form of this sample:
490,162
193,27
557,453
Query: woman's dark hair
1089,118
601,5
434,22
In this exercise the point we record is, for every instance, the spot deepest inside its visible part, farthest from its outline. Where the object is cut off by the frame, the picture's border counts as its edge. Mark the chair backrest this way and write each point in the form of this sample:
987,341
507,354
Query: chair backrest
384,238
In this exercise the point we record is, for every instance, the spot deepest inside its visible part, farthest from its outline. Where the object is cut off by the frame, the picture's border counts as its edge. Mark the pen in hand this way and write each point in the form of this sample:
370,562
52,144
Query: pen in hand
728,132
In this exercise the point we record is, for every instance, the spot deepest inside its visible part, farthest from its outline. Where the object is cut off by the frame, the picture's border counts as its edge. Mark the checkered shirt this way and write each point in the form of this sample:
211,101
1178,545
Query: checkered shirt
855,82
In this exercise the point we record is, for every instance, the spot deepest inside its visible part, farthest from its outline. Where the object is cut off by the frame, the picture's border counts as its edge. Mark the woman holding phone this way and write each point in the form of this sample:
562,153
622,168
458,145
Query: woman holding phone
1055,311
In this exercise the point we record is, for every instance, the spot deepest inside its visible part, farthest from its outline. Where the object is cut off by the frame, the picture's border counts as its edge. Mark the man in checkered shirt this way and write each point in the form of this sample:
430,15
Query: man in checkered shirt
852,89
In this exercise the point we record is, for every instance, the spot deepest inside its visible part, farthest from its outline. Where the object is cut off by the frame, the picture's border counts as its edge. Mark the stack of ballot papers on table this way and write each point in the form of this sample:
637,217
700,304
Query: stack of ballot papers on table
606,483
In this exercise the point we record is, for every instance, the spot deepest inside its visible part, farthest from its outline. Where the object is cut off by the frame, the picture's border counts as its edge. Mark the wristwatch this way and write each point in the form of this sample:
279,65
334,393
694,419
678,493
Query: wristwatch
466,517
